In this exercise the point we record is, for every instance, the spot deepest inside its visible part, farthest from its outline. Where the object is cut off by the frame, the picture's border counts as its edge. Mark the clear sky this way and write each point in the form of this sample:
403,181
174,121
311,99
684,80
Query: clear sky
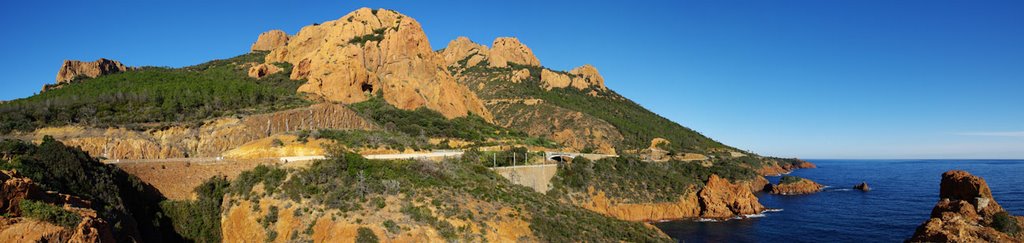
812,78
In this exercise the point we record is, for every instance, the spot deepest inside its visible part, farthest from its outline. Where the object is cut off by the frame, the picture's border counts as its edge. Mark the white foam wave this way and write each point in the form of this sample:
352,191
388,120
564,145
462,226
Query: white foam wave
707,220
773,210
760,215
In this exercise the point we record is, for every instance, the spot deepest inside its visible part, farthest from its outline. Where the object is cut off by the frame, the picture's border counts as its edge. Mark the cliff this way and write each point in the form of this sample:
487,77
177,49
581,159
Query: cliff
375,51
717,199
967,212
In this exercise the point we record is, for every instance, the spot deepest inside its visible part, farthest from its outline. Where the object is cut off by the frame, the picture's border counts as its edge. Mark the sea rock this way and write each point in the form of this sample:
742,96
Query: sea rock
270,40
72,70
802,186
863,186
720,199
965,213
262,70
376,51
509,49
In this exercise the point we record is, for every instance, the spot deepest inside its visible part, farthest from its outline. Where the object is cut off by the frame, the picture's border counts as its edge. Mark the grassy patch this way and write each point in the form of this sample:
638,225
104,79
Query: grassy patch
789,179
49,213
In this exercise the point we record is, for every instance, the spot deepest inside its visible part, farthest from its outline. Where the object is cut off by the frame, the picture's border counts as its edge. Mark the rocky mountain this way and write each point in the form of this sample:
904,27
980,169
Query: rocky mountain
967,212
370,81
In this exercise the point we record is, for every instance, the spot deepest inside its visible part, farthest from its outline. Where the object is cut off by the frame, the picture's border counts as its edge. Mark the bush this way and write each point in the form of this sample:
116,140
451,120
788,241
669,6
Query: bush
391,226
276,143
49,213
199,220
1006,223
119,198
364,235
789,179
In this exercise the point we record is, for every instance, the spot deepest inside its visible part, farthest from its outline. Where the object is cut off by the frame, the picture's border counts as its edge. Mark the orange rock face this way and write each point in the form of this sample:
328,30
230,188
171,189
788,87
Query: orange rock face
963,213
513,51
370,51
721,199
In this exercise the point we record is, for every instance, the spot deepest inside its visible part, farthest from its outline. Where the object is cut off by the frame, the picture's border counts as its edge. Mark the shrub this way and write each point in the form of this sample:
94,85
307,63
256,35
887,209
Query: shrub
1006,223
364,235
391,226
49,213
789,179
199,220
276,143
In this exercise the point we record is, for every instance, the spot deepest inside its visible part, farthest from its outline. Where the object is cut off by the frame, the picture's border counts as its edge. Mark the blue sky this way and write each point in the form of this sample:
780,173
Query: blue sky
811,79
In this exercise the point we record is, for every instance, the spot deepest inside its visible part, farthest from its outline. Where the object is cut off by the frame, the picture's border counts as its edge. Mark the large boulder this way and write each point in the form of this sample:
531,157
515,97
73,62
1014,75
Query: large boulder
587,76
376,51
270,40
966,212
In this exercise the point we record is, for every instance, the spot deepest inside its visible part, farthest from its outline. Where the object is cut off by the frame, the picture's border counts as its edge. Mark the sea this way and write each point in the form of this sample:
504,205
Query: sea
902,195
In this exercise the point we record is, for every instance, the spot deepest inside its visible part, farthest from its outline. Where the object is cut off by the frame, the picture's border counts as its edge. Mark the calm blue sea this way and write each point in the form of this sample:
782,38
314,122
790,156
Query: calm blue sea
903,194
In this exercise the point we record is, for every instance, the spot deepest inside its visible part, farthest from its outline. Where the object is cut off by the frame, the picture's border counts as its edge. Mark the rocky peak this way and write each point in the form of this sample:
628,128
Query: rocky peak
461,48
589,76
511,50
375,51
72,69
270,40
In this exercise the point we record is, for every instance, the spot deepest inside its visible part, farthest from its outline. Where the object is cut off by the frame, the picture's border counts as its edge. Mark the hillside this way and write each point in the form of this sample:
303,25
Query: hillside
368,83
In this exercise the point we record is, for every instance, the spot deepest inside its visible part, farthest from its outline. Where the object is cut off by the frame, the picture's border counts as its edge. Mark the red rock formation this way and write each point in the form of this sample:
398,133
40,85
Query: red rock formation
964,213
270,40
803,186
721,199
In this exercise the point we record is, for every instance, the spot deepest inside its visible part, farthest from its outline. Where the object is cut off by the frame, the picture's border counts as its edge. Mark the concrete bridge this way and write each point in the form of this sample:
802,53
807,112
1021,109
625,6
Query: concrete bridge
537,177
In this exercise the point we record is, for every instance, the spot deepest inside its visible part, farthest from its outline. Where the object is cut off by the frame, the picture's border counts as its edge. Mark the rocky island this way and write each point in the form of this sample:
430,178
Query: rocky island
792,185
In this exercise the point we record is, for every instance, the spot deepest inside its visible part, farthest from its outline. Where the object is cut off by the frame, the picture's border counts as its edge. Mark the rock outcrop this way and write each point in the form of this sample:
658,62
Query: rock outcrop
15,228
509,49
801,186
462,48
375,51
72,70
587,76
967,212
270,40
863,186
263,69
718,199
582,77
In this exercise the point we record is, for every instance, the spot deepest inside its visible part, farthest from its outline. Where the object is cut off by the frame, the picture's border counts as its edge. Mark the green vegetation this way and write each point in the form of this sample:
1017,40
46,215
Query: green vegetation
789,179
49,213
392,227
377,35
199,220
441,182
423,123
607,105
1006,223
637,181
157,95
374,139
119,198
364,235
